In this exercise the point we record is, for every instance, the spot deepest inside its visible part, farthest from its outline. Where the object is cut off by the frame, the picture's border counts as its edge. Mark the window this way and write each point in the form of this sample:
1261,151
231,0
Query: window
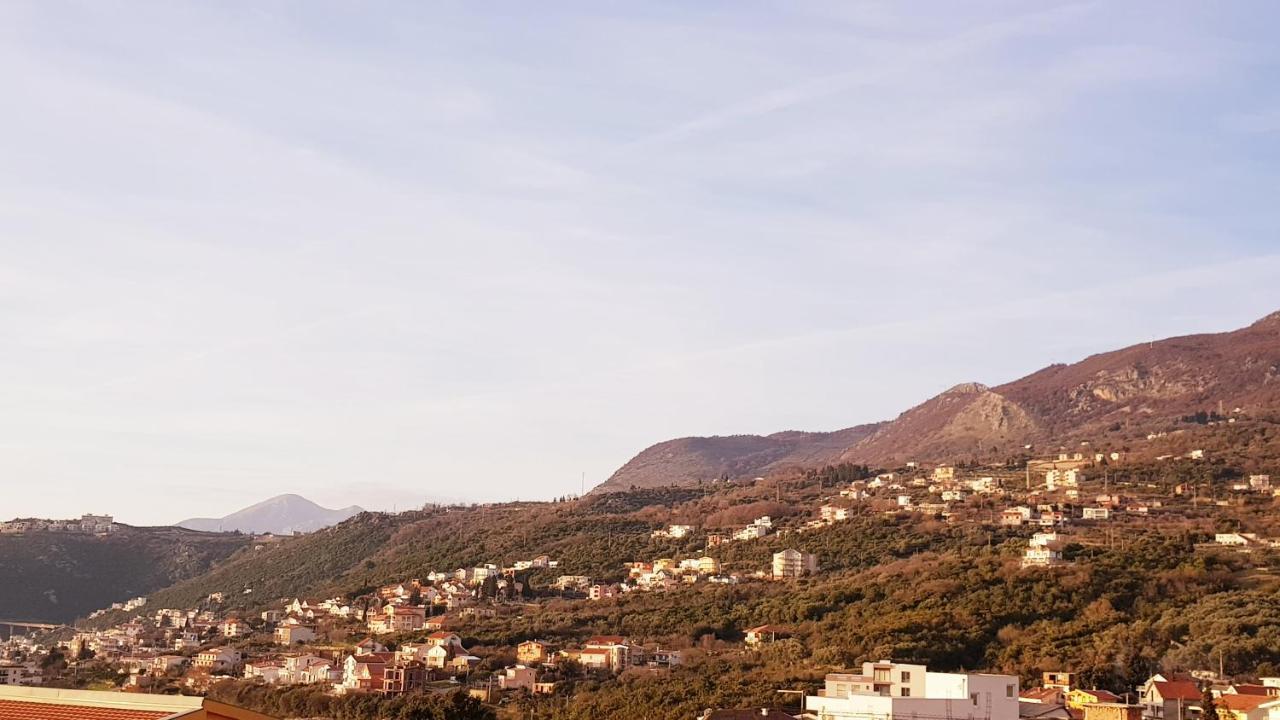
974,698
906,692
881,675
1009,691
906,676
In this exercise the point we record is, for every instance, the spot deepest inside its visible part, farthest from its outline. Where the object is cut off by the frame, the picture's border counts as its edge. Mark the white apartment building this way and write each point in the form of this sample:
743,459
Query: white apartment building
893,691
757,529
793,563
1041,557
1043,549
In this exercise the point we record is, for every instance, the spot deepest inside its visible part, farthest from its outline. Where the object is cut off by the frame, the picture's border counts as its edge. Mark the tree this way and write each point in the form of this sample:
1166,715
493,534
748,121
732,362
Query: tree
1209,709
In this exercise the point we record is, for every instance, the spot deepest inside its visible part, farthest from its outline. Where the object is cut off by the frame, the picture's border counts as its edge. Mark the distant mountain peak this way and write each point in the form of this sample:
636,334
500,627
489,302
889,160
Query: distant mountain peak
282,515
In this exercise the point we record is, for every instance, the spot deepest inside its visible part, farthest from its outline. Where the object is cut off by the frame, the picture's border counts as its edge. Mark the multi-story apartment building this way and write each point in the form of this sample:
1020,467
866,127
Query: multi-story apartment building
16,674
793,563
891,691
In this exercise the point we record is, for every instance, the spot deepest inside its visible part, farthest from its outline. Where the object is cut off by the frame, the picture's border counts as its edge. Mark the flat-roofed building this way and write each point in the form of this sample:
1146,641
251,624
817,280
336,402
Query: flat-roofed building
887,690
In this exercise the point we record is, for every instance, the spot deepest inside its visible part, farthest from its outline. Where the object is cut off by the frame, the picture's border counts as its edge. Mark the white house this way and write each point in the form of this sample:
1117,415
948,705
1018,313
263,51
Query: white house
983,485
1236,539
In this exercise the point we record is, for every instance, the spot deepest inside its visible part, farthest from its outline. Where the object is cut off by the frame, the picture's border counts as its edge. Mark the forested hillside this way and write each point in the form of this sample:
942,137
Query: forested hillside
1140,593
1130,602
59,576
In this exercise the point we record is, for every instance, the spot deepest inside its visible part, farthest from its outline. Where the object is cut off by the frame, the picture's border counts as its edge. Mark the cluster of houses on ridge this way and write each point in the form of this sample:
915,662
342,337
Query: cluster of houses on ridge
944,489
94,524
669,573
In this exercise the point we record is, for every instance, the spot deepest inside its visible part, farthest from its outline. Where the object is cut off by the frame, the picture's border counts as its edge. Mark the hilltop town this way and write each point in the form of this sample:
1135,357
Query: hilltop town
584,610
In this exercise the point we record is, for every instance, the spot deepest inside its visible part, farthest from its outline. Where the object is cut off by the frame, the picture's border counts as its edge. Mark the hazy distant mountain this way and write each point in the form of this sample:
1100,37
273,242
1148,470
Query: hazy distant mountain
1117,393
282,514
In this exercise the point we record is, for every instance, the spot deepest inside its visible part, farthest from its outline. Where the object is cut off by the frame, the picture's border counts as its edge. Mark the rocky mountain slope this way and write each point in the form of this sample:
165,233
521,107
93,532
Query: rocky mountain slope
687,461
282,515
1143,386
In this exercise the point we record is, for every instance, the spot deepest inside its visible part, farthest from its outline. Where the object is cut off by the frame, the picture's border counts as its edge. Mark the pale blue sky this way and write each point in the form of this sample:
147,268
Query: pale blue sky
370,252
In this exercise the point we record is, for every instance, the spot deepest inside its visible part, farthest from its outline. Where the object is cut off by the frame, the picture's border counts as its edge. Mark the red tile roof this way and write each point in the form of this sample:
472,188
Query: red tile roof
1048,696
1249,689
1175,689
19,710
1243,703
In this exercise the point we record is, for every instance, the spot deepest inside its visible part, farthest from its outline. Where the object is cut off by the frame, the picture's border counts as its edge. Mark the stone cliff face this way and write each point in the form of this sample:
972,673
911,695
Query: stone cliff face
967,419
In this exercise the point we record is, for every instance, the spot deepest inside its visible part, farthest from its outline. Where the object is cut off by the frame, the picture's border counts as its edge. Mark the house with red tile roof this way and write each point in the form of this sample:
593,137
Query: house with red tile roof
1170,698
765,634
1253,689
606,652
1233,706
1044,696
234,627
365,672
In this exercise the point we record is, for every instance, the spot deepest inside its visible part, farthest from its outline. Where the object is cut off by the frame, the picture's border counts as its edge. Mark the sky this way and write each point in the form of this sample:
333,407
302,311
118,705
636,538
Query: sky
380,253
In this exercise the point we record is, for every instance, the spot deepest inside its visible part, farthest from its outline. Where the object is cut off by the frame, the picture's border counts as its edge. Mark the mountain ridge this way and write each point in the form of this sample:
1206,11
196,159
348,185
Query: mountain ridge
1121,390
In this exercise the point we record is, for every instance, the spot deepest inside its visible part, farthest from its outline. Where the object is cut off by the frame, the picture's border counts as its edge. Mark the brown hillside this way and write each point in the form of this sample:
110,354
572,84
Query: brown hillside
1169,378
1147,385
967,420
687,461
